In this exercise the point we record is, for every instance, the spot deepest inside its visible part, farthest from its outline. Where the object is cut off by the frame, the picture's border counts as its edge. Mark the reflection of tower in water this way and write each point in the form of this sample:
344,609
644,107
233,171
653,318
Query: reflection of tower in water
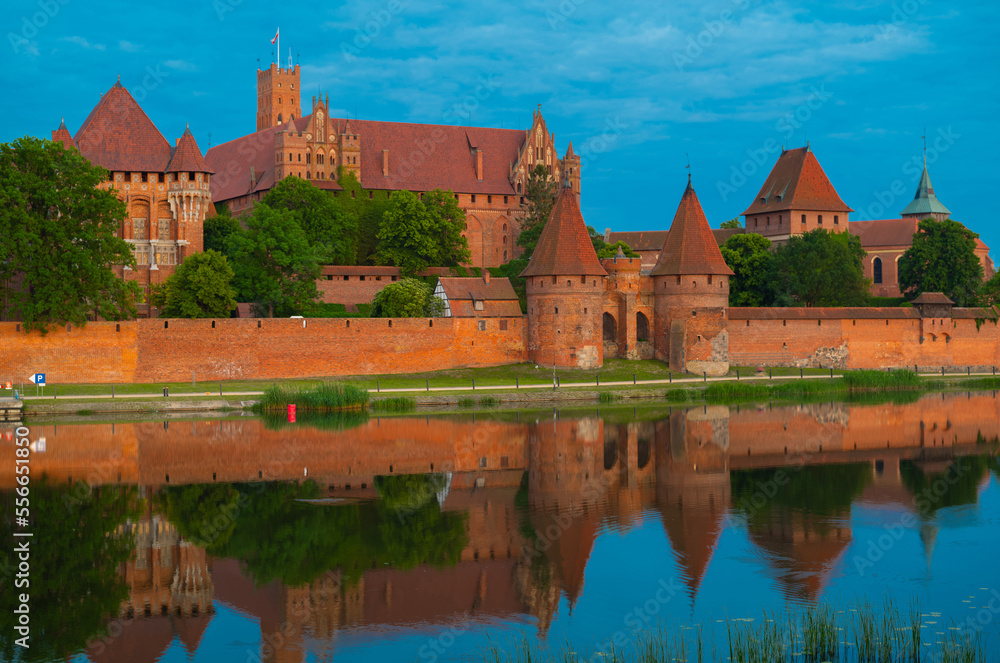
692,486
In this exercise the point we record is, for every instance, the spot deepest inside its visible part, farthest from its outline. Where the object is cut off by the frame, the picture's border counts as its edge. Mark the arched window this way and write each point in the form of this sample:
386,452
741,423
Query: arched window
641,327
505,256
877,270
309,157
279,118
279,100
610,328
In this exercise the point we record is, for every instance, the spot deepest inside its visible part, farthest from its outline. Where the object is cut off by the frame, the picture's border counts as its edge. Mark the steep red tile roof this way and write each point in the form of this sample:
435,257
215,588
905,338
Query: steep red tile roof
884,232
690,247
187,157
232,162
564,246
63,136
118,135
797,182
498,297
422,157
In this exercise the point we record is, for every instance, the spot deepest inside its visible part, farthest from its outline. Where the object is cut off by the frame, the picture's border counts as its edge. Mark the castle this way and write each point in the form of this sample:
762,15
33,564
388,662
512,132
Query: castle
485,168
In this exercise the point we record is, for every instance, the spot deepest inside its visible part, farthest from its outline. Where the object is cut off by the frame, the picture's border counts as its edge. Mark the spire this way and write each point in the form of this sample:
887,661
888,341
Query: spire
569,151
564,247
690,247
925,203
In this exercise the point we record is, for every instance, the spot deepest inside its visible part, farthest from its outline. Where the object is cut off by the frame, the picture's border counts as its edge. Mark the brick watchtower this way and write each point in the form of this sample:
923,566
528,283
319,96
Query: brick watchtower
278,97
565,288
691,285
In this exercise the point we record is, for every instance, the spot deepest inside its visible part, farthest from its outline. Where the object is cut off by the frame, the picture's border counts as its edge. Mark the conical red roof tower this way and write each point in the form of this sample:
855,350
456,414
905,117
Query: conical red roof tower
564,246
690,247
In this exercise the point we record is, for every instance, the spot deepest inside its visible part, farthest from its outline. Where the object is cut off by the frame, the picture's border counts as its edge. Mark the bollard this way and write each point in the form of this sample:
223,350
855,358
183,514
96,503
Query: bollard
670,377
473,384
831,371
598,380
737,375
769,374
633,378
54,392
968,371
220,390
378,387
291,413
704,375
942,371
165,392
428,385
801,374
517,383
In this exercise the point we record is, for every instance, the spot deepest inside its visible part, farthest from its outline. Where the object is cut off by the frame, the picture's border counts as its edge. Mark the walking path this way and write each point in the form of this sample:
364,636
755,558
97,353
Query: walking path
561,385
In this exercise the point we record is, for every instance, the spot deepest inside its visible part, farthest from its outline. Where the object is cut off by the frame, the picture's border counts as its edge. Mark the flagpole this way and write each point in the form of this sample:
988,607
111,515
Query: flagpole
278,50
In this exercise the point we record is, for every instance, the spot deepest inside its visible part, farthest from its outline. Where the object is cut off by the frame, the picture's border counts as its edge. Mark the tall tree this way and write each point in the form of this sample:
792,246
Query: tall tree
367,208
201,288
819,268
329,227
275,266
732,223
540,192
217,229
407,298
942,258
749,256
416,234
60,243
611,250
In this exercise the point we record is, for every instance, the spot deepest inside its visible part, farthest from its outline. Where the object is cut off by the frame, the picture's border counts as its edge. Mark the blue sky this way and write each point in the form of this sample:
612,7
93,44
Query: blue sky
637,86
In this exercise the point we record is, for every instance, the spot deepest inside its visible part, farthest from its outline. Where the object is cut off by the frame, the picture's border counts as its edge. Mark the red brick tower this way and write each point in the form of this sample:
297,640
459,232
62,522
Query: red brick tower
691,285
565,288
278,96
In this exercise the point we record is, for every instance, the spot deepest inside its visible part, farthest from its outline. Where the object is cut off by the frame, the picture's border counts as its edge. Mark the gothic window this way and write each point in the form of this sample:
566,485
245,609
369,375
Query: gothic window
279,100
820,219
163,220
505,256
279,118
289,156
308,157
300,158
803,218
641,327
877,270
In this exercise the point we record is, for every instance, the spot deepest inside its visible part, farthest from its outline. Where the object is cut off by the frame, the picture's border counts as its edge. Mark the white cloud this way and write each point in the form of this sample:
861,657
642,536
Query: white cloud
180,65
83,43
129,47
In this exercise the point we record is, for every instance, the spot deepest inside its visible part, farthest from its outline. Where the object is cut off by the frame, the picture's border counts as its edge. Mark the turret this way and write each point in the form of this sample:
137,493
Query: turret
925,204
565,291
691,286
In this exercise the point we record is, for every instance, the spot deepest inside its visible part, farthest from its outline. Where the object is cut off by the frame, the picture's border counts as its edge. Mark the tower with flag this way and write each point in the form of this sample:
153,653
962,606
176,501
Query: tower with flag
278,99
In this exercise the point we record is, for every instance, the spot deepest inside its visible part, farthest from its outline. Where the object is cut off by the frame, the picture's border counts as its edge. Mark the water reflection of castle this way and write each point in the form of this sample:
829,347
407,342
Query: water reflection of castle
693,470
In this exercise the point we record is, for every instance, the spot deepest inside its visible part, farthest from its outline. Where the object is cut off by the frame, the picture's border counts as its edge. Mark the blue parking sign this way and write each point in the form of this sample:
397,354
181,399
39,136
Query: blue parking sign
39,379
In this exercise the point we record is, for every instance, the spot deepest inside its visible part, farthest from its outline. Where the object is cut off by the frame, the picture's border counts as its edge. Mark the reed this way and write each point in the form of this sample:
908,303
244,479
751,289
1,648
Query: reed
325,397
608,397
393,404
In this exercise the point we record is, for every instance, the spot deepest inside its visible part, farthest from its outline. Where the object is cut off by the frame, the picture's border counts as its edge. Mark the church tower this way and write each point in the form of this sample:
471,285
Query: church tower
691,285
565,289
925,204
278,96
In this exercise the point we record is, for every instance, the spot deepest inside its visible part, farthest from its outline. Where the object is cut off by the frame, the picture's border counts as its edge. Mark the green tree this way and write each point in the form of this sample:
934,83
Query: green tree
201,287
732,223
749,256
275,266
407,298
77,554
942,258
217,229
367,208
819,268
989,295
60,244
540,193
330,228
416,234
611,250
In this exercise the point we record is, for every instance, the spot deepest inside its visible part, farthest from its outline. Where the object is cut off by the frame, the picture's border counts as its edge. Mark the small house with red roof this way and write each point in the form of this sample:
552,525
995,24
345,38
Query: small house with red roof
166,188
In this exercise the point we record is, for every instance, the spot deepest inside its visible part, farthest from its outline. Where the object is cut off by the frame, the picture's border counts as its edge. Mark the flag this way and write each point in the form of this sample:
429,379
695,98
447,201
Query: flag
276,35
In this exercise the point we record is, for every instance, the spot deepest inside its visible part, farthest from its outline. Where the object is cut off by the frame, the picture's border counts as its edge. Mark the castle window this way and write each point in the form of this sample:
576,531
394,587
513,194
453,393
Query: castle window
503,325
768,220
293,101
709,279
308,157
362,277
557,310
836,220
569,284
489,199
279,98
553,280
877,270
820,219
482,325
300,158
289,156
472,198
779,219
279,118
505,255
346,277
144,177
583,280
505,225
522,197
803,218
678,280
505,200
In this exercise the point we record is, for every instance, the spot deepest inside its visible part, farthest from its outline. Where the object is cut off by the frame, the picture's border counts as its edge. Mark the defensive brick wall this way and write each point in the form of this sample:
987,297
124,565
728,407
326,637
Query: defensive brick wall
861,338
255,349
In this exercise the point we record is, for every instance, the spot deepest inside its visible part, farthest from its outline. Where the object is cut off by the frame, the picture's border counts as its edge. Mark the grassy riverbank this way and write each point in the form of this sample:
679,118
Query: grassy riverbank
862,633
325,397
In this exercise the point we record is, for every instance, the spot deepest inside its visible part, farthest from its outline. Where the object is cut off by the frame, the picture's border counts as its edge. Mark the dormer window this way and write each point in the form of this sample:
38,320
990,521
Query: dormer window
763,200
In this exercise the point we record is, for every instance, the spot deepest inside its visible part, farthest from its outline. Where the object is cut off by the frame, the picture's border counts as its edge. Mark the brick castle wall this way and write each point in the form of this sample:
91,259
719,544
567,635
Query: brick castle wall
255,349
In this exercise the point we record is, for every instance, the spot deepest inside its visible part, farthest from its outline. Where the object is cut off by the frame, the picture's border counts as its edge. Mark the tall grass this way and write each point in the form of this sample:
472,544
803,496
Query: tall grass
880,380
608,397
325,397
864,633
393,404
